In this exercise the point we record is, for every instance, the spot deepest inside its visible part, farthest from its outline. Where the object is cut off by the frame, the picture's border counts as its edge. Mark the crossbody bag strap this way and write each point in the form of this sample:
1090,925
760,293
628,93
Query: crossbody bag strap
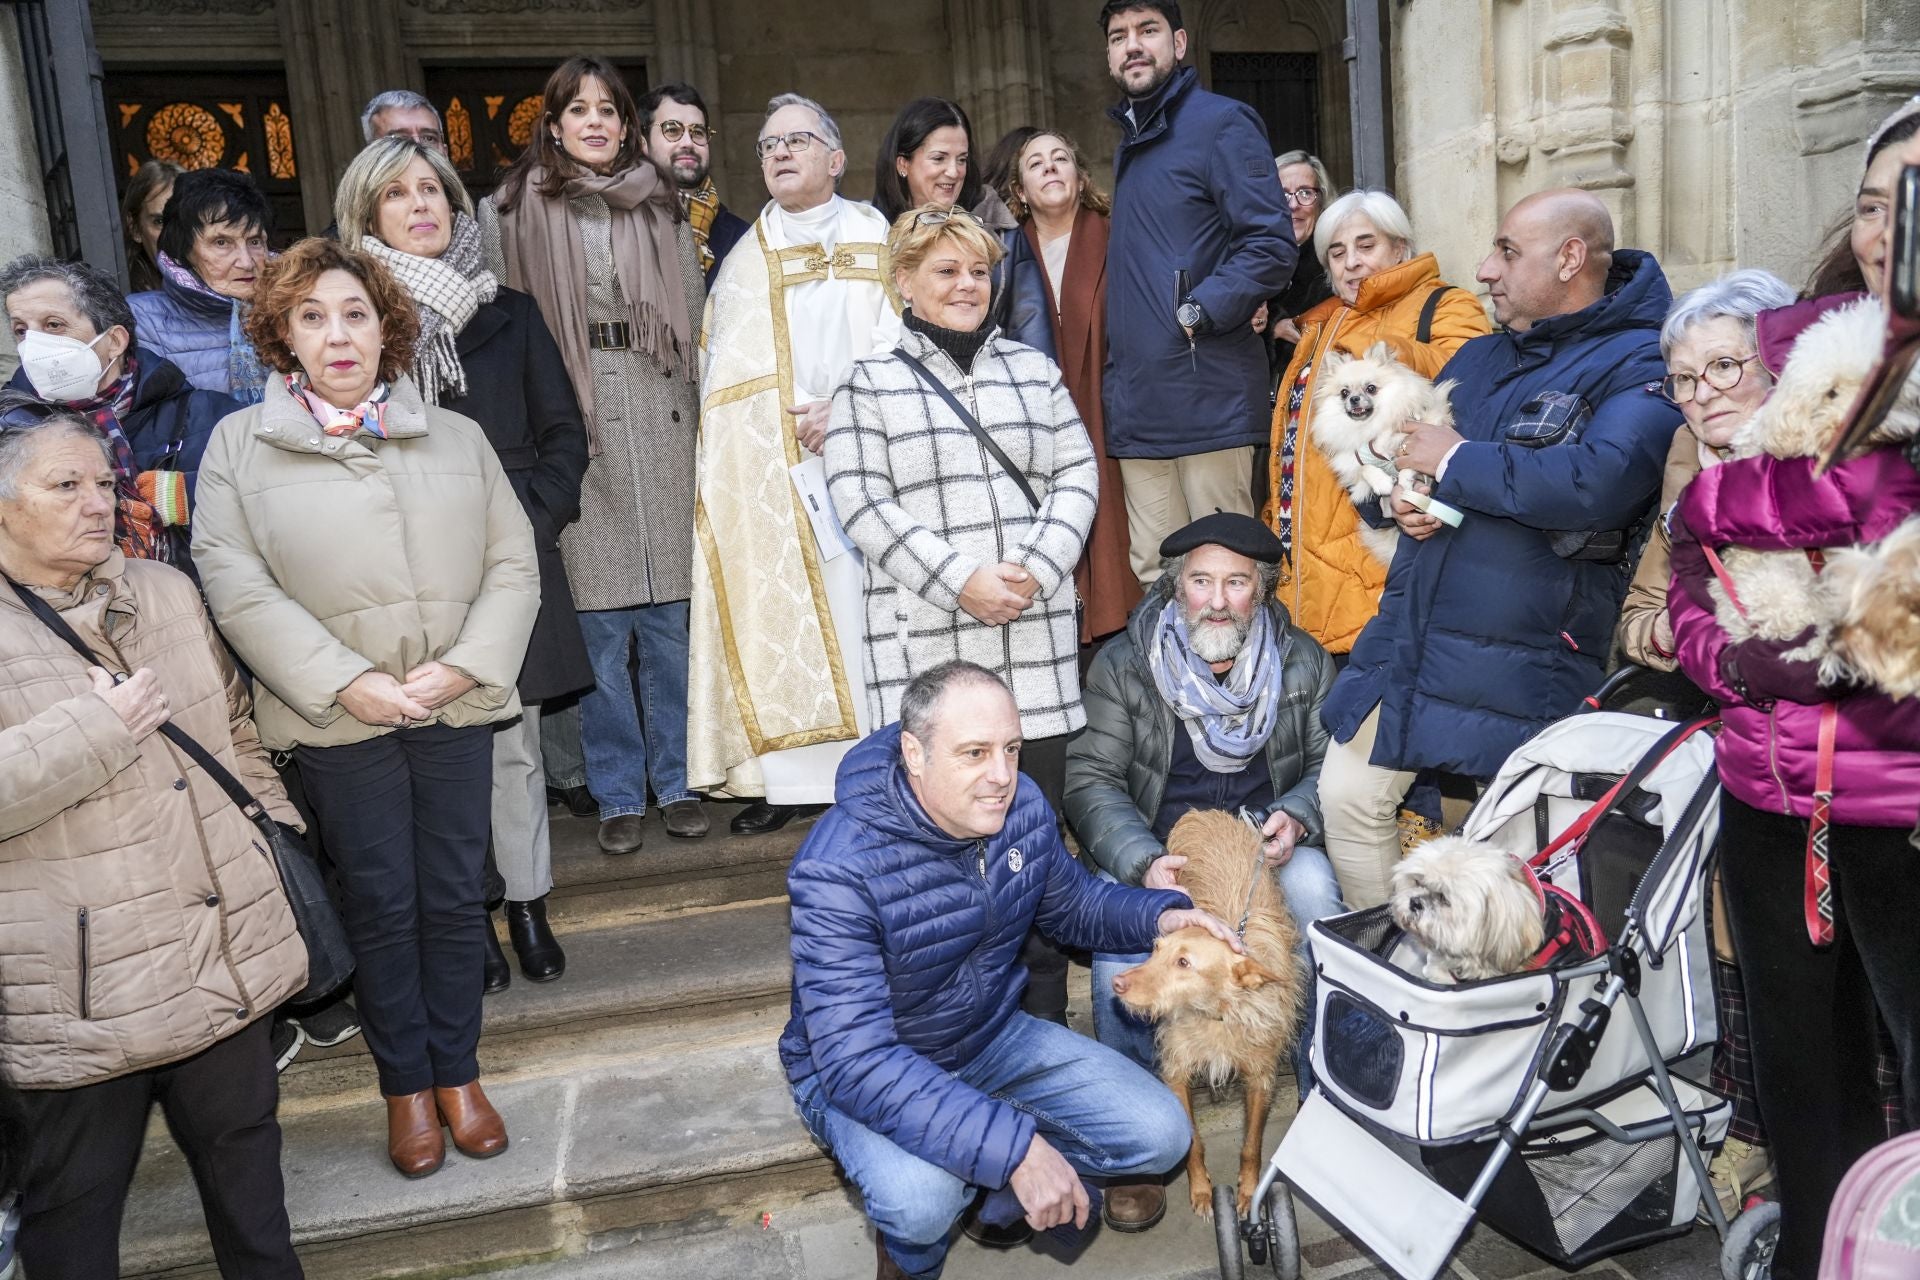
1423,332
235,789
972,424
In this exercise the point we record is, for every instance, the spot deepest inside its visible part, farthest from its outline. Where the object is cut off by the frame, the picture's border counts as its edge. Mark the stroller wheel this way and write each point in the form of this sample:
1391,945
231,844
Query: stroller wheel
1226,1233
1283,1233
1747,1252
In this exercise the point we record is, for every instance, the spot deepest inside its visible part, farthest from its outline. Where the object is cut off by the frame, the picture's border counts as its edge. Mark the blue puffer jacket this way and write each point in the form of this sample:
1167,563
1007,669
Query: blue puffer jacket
194,330
1484,635
1194,189
906,957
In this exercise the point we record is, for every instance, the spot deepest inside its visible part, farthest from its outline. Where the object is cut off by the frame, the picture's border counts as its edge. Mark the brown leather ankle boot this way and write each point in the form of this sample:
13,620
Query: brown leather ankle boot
478,1131
413,1134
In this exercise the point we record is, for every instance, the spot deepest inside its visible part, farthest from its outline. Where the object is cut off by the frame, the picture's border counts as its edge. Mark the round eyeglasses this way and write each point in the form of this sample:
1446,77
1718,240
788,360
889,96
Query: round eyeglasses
1303,197
1722,374
674,130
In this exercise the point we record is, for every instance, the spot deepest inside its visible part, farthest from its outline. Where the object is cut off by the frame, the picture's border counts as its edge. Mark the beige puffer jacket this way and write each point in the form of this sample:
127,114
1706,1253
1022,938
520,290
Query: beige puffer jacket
324,557
142,919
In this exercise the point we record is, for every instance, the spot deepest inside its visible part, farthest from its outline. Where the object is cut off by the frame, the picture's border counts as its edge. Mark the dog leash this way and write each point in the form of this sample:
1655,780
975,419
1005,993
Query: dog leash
1253,883
1446,514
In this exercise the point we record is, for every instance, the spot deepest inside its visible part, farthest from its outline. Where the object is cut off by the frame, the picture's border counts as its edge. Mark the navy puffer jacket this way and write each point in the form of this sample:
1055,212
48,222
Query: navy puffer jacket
1484,635
906,946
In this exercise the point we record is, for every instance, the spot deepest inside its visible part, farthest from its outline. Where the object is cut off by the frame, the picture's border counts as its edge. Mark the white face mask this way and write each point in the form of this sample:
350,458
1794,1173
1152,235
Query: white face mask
62,369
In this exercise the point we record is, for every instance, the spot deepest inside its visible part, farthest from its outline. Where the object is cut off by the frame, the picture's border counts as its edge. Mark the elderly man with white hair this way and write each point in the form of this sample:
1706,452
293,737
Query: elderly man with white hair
775,692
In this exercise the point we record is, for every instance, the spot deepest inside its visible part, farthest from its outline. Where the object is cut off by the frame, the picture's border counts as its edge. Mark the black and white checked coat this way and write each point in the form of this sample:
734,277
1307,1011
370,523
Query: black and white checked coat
927,505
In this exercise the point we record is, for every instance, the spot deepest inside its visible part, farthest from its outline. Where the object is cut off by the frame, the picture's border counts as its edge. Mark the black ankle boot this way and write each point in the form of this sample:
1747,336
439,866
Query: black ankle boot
541,958
499,975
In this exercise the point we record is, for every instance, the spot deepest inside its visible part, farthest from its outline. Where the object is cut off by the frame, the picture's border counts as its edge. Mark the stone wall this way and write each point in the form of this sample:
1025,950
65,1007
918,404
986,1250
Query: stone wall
1720,132
24,230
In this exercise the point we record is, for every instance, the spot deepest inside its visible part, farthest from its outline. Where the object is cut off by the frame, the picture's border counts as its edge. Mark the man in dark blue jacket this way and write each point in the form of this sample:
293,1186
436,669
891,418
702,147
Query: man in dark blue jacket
1201,237
1490,631
908,1054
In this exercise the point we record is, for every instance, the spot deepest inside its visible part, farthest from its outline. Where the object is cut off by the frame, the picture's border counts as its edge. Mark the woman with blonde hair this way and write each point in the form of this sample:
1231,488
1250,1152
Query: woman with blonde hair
1064,224
1382,292
484,352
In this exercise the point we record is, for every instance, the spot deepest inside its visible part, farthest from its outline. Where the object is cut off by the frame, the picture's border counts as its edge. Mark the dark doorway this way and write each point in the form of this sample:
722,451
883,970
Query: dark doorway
1283,88
491,112
206,120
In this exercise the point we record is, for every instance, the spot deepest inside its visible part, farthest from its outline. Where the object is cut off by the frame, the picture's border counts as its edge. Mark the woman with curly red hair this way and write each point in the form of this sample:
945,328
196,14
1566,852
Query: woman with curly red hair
366,557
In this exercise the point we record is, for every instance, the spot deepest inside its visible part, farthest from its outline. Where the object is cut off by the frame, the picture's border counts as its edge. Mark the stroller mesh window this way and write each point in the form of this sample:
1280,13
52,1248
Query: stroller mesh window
1606,1184
1361,1050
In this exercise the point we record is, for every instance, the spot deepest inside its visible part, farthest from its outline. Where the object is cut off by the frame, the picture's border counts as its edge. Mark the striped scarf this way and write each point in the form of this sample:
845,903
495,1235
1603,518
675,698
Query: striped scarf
1228,720
135,523
703,206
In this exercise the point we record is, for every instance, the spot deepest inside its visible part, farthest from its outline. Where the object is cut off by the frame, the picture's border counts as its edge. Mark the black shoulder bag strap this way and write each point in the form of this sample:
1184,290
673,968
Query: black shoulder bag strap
235,789
973,425
1423,333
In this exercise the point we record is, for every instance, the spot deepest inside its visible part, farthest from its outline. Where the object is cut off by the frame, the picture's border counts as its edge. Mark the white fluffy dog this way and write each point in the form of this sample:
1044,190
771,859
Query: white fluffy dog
1780,590
1473,909
1361,408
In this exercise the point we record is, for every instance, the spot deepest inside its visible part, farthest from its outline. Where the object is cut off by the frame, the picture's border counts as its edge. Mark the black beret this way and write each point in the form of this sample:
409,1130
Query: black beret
1235,532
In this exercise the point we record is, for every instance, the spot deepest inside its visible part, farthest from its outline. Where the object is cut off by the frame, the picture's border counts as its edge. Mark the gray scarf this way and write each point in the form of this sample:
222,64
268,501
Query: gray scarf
447,290
1229,720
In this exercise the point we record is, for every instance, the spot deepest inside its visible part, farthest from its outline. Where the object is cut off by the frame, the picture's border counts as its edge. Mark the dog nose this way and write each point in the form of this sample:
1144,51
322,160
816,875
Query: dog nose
1416,904
1119,984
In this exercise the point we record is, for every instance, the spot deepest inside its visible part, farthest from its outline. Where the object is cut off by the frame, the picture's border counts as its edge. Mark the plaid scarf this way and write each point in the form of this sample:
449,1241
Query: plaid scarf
448,290
1229,720
136,526
370,415
703,206
246,376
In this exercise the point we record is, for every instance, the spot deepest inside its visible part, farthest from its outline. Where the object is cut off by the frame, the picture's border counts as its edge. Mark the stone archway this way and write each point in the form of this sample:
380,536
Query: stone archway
1232,38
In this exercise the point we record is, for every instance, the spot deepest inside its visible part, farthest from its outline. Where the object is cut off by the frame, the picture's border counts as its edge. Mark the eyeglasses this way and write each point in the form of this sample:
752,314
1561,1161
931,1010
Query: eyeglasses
1301,197
1722,374
674,130
796,142
939,217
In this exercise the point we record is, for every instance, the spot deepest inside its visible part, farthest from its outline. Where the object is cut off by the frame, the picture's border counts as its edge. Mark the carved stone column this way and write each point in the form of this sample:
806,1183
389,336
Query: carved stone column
339,53
1000,67
1586,101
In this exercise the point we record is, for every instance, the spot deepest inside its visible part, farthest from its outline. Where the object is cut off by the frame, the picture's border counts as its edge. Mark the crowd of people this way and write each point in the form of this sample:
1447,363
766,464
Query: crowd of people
596,493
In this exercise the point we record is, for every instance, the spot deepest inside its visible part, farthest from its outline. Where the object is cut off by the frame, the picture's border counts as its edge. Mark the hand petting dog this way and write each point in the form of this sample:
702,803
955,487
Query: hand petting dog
1194,918
1426,447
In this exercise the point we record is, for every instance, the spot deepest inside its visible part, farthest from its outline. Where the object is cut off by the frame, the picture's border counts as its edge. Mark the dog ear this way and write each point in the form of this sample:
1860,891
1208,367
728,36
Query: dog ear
1250,975
1335,359
1381,353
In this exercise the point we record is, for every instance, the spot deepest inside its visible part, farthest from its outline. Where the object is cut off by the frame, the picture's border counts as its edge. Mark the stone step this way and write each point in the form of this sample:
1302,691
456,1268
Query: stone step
679,968
592,888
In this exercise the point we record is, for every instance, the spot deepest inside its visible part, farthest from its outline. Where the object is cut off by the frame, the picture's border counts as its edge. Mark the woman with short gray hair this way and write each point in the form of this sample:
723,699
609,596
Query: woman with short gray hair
1715,375
75,335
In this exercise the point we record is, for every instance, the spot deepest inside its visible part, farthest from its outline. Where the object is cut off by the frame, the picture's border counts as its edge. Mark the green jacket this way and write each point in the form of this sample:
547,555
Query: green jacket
1117,770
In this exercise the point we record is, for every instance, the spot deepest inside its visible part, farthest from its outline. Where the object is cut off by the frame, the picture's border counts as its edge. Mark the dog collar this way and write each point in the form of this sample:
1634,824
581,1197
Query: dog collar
1571,930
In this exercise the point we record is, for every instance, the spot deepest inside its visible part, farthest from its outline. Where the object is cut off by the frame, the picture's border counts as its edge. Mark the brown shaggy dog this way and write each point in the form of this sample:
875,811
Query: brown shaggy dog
1220,1014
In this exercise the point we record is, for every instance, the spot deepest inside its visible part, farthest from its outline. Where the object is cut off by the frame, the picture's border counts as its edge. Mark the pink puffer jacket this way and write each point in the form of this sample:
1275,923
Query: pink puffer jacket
1767,753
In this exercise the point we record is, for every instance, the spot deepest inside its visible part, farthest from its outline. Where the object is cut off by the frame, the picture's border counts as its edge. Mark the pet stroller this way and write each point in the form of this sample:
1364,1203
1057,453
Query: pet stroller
1542,1101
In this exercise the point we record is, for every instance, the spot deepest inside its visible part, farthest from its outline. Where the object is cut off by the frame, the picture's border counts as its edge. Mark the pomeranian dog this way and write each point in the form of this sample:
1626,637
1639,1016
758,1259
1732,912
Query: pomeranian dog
1361,408
1777,594
1875,597
1218,1013
1479,912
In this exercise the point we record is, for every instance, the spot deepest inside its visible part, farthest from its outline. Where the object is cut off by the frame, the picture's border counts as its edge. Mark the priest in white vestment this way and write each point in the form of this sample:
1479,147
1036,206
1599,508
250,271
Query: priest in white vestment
776,691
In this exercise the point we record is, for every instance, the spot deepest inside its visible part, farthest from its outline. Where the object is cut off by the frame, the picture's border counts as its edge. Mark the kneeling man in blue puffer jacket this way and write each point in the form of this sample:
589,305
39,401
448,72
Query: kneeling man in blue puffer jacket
907,1051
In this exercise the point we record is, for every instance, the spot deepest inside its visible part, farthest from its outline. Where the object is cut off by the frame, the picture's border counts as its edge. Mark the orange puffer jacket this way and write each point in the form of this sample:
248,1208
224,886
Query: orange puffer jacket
1332,586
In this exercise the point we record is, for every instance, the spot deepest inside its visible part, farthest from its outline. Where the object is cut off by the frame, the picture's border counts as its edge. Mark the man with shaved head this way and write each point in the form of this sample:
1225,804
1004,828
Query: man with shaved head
1490,629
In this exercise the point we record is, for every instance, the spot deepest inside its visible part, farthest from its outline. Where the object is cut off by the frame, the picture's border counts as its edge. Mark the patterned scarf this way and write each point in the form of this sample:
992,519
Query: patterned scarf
370,415
1229,720
246,376
703,206
448,290
135,525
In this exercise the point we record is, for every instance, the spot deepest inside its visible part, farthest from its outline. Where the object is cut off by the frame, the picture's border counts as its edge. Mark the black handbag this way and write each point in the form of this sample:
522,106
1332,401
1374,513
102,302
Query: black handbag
329,956
1547,421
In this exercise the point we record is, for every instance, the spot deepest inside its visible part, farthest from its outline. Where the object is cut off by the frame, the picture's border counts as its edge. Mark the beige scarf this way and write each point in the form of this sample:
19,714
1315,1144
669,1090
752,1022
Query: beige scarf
545,257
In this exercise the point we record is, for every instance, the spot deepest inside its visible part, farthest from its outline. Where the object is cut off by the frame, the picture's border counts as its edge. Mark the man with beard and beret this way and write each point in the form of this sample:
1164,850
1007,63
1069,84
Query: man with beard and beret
1210,699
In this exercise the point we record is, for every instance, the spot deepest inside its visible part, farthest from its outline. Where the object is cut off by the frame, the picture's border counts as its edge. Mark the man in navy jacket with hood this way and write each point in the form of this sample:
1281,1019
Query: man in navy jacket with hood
1201,237
907,1051
1489,632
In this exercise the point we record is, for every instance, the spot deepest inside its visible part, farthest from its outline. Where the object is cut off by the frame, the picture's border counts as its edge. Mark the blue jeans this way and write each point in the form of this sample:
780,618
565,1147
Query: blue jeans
621,757
1312,894
1108,1118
